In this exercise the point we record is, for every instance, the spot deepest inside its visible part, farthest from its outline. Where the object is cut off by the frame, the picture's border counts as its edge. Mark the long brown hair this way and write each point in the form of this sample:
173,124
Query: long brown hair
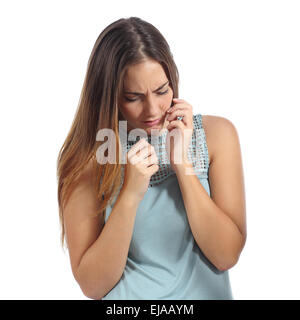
121,44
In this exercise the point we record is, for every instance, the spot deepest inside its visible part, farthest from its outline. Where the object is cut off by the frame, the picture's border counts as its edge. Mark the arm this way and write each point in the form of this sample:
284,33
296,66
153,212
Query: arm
98,251
102,265
218,223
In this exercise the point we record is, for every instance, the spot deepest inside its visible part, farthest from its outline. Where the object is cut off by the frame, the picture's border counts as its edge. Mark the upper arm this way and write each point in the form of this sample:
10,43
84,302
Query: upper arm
226,178
82,229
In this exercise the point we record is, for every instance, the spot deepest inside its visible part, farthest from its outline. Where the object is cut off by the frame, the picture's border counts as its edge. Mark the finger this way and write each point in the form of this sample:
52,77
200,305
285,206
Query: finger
172,109
176,124
153,169
142,154
151,160
179,113
177,100
137,146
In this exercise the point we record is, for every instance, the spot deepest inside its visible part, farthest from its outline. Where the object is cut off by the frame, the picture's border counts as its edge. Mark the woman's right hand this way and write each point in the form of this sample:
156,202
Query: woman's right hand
141,164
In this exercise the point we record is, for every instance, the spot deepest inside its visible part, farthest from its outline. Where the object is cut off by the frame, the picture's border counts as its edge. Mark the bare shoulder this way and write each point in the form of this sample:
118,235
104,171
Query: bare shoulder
219,132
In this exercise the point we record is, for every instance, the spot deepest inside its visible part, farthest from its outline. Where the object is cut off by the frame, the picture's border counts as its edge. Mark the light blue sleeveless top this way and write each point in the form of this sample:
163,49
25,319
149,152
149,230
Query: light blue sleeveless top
164,261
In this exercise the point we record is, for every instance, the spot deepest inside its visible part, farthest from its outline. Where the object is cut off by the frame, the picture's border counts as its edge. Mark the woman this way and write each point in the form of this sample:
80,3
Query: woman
148,229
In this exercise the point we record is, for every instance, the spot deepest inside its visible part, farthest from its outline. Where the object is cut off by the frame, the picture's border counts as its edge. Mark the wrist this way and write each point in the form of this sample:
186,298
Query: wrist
185,166
130,198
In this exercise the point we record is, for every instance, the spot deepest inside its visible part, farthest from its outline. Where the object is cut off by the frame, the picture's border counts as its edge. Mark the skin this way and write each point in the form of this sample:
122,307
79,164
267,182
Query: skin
98,251
218,222
145,78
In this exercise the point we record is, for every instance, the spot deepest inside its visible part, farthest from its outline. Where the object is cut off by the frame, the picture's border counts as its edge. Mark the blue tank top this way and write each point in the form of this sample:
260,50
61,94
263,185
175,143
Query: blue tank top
164,261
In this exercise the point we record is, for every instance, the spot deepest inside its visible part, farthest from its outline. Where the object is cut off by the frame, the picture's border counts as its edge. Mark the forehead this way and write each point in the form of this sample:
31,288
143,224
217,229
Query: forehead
147,73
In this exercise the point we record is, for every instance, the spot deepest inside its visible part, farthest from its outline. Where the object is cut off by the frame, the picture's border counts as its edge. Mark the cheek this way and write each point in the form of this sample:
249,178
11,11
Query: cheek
130,112
168,99
170,94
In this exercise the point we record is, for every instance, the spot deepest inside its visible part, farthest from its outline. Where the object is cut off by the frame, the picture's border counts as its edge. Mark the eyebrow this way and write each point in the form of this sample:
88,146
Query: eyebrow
140,94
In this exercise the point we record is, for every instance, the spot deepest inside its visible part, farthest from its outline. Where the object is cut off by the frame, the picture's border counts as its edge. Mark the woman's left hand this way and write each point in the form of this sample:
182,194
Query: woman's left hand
178,151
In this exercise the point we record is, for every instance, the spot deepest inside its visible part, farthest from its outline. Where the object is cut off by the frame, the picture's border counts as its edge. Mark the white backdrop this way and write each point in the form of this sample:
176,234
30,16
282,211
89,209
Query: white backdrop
236,59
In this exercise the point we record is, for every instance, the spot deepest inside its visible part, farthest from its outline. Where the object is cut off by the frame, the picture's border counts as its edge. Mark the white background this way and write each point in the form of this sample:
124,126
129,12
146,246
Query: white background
236,59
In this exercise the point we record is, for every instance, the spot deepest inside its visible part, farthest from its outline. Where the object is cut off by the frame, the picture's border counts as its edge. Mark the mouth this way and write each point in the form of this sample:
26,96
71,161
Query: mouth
152,123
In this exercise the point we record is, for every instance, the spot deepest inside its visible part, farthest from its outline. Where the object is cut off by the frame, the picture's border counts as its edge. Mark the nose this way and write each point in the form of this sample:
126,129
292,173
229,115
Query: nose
152,109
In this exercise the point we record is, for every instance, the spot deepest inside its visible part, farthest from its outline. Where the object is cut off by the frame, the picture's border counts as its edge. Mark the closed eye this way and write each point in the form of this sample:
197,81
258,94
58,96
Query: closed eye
159,93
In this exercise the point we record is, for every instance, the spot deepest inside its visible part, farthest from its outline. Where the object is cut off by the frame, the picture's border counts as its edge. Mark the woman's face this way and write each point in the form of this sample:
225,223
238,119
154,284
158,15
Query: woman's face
146,96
